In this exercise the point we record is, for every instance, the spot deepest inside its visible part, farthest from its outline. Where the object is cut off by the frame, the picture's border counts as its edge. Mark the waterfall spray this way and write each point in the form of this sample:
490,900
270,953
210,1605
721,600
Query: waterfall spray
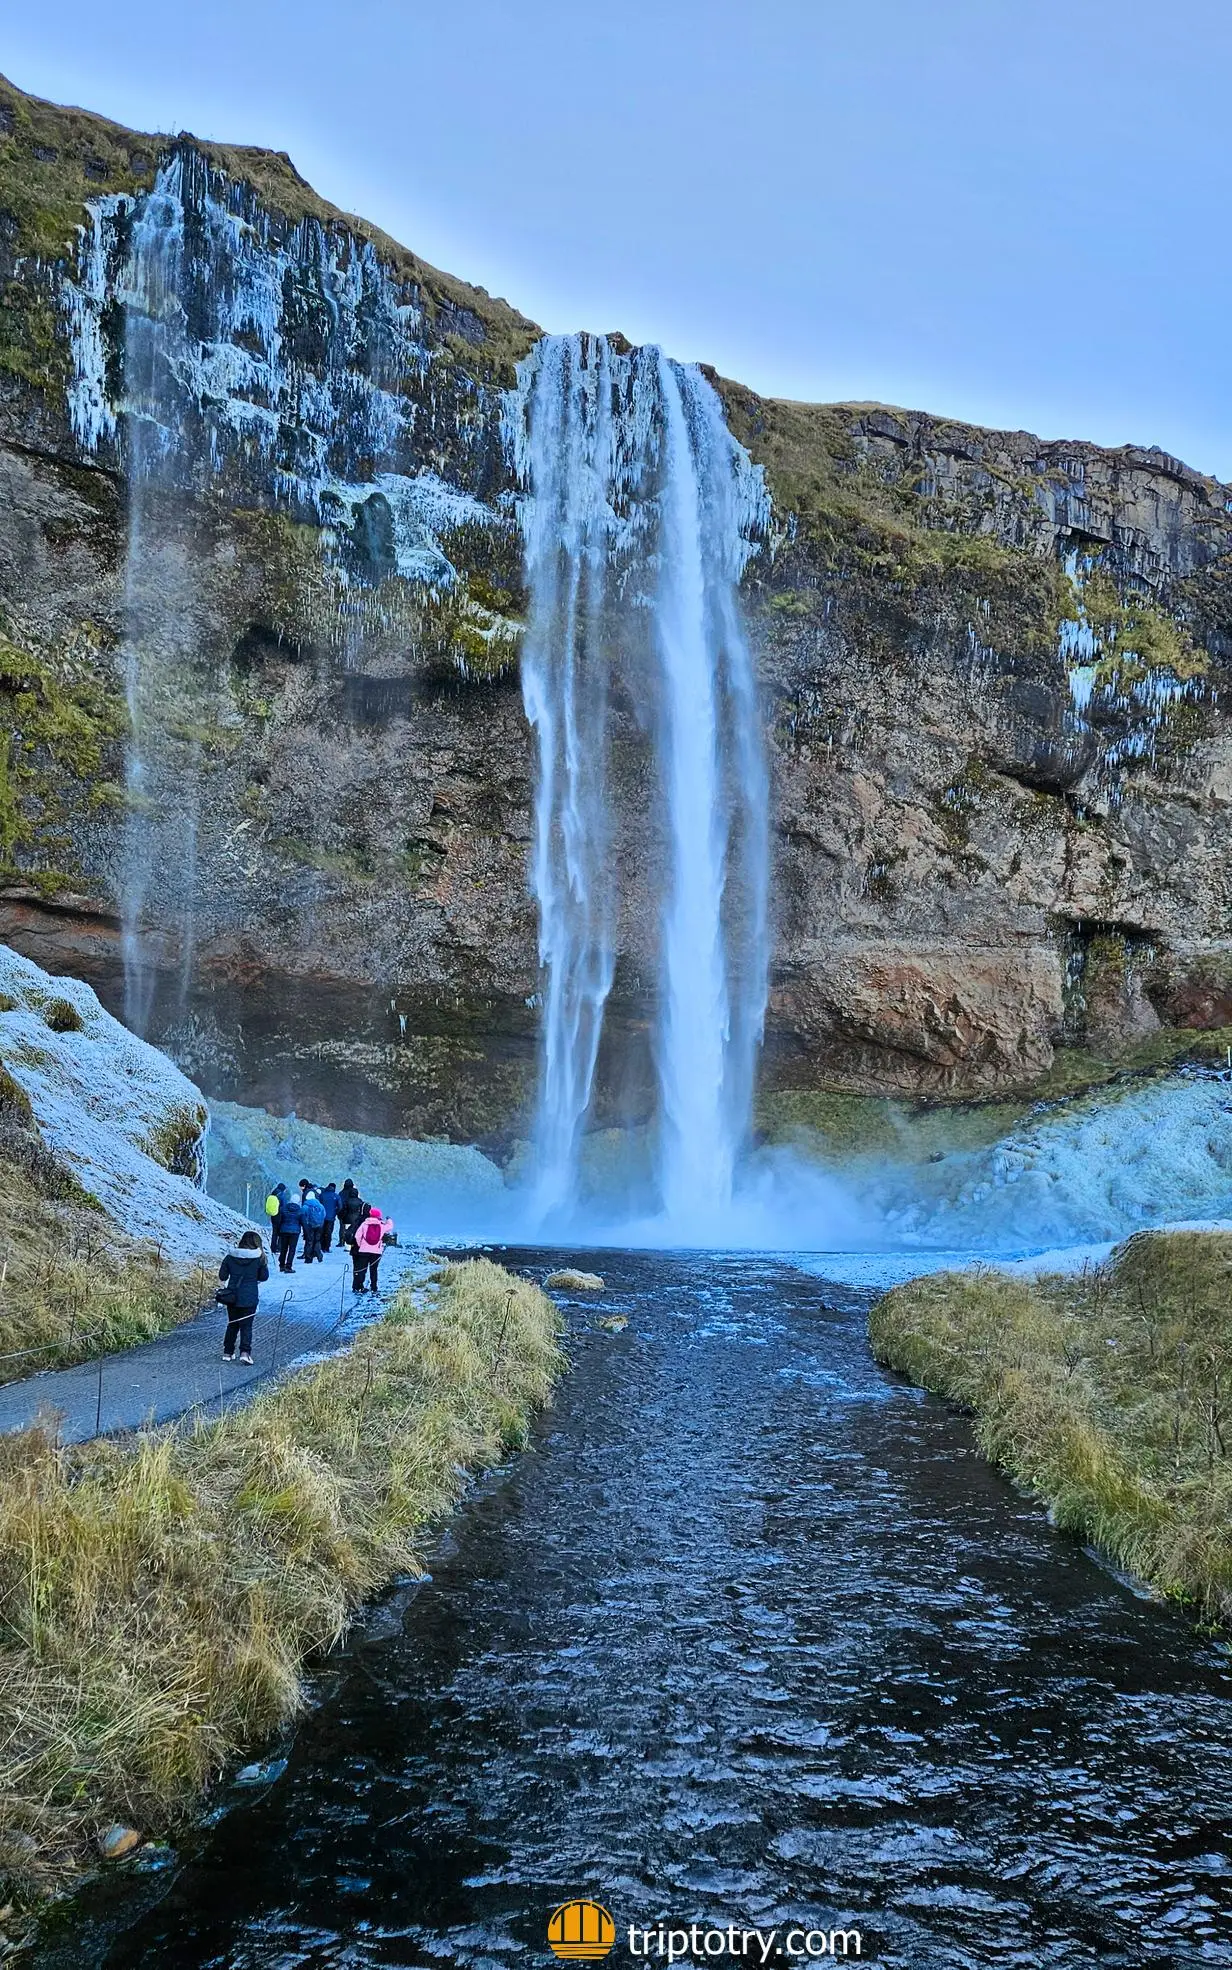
640,511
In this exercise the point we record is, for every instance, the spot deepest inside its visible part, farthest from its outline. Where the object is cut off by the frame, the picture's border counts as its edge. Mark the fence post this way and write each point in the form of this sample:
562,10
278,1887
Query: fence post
288,1295
98,1413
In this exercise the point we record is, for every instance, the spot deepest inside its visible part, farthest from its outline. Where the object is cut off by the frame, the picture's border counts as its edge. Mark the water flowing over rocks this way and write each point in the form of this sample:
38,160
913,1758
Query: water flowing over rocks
260,547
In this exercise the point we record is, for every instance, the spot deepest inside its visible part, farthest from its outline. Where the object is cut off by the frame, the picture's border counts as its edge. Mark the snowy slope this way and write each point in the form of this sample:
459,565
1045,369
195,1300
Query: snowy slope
110,1106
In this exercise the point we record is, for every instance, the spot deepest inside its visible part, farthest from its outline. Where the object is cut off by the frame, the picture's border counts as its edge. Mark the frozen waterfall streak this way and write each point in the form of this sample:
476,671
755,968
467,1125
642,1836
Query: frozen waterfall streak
562,435
714,956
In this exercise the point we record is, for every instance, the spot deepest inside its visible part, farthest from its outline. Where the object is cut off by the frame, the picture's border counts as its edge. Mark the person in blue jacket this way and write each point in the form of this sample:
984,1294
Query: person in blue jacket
288,1223
329,1198
312,1214
241,1275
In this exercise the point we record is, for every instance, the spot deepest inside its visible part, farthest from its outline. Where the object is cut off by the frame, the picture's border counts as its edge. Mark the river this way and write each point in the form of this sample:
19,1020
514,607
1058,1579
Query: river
750,1635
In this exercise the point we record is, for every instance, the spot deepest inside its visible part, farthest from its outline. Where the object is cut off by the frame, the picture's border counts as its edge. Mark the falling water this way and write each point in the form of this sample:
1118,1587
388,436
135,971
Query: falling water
566,455
641,510
263,365
160,829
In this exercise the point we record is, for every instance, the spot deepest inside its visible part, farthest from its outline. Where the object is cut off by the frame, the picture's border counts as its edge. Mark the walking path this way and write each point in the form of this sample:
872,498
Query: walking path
184,1369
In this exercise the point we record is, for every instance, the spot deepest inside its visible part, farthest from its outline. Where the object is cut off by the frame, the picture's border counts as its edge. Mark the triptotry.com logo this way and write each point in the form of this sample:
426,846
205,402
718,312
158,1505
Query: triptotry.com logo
586,1932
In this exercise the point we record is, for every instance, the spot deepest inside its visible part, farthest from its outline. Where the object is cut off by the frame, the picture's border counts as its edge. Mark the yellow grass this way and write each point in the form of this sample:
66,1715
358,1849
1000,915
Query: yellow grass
1108,1395
161,1593
72,1286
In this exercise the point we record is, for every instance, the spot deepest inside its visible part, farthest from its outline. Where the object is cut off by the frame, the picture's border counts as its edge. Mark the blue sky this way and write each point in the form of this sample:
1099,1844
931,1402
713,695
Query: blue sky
1013,213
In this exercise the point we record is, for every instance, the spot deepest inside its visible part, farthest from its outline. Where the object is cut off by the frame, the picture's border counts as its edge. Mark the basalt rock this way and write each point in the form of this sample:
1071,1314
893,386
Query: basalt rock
993,672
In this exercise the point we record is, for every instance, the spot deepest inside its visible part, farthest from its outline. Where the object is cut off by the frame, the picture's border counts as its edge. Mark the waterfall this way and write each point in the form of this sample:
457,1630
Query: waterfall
640,512
160,827
565,450
225,357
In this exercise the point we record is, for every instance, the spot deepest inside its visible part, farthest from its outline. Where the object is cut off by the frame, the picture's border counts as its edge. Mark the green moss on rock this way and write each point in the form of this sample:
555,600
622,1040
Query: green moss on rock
62,1016
175,1140
61,722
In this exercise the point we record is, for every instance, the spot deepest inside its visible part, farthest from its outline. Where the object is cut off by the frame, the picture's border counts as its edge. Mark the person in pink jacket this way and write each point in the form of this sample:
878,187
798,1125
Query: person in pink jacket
366,1249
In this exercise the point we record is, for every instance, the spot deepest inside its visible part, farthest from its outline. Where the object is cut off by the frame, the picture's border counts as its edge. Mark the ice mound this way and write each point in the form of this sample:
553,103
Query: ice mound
425,1184
1096,1169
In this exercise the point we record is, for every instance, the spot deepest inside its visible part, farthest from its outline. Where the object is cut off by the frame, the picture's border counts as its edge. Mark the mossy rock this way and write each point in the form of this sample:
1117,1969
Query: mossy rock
62,722
62,1016
175,1140
15,1103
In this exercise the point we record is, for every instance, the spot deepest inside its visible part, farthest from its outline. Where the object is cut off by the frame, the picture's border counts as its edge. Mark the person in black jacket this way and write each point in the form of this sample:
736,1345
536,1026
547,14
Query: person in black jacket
350,1211
241,1275
289,1223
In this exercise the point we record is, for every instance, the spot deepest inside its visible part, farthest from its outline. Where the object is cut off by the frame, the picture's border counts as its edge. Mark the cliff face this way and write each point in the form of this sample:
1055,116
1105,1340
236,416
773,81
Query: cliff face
271,439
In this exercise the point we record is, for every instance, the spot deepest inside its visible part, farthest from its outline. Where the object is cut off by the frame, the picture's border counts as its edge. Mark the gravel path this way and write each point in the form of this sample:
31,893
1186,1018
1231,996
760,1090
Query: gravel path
184,1369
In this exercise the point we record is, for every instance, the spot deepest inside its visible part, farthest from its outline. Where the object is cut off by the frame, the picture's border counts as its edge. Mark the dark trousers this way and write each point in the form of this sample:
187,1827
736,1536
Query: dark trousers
287,1241
312,1243
239,1328
361,1264
327,1234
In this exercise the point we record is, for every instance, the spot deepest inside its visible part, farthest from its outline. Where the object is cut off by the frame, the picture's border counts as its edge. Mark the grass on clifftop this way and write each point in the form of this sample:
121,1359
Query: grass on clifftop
1107,1395
161,1593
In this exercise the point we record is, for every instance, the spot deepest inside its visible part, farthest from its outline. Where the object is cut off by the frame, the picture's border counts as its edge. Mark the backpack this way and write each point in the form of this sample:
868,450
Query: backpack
272,1205
370,1238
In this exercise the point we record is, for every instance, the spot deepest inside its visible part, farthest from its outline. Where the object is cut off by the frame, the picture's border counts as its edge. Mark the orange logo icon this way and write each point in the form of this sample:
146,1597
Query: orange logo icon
580,1932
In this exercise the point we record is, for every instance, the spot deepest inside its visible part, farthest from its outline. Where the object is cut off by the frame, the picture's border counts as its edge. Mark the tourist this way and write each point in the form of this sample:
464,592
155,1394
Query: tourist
312,1214
329,1198
241,1275
350,1210
367,1246
289,1222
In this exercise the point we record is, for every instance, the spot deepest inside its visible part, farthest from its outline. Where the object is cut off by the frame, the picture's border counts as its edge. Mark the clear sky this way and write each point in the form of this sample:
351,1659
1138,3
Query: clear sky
1013,211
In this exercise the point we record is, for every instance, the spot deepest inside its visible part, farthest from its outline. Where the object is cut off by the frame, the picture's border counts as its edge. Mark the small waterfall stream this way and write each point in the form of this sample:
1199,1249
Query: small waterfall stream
640,514
161,815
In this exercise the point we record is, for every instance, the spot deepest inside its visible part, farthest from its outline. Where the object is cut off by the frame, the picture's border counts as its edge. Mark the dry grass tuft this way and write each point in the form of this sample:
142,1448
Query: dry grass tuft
1108,1395
160,1594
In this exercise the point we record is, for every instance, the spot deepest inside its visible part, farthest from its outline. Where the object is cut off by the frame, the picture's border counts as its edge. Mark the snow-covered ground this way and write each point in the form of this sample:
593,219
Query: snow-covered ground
103,1100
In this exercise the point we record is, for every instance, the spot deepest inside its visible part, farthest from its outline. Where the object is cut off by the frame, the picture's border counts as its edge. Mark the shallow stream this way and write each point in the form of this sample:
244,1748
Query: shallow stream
749,1636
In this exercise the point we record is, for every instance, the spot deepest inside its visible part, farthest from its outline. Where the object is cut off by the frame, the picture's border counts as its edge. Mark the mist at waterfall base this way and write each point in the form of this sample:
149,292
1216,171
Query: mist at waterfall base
1083,1173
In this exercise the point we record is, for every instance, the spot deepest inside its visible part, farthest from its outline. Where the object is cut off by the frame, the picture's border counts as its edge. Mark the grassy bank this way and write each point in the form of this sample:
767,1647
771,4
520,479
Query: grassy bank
72,1286
160,1594
1107,1395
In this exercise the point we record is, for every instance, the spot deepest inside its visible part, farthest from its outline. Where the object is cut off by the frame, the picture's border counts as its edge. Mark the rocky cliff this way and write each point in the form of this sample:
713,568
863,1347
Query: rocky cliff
252,439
